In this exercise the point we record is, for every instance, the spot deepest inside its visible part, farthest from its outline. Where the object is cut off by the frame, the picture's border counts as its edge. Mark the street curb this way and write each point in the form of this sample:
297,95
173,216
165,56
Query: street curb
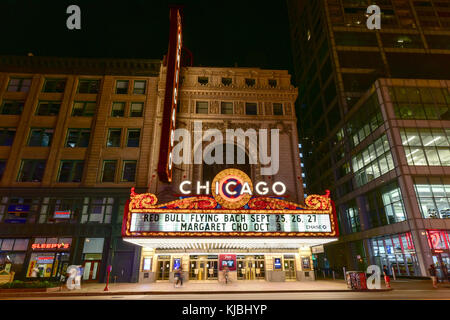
122,293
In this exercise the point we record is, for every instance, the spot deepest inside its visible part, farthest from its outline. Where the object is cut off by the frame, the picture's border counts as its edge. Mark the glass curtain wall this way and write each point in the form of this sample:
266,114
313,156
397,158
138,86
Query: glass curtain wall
396,251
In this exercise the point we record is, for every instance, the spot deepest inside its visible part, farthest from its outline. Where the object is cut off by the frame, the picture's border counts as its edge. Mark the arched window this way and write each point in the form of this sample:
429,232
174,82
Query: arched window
210,171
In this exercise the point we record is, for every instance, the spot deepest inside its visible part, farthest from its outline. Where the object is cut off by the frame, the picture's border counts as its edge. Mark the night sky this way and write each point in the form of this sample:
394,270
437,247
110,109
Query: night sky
218,33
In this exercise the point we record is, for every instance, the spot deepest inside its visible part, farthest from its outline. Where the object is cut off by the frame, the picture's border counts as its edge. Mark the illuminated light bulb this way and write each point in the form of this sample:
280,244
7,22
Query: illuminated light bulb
170,161
172,138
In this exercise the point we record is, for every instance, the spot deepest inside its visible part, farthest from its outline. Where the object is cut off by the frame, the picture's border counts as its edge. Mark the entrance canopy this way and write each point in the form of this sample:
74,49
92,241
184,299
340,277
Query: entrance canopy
226,244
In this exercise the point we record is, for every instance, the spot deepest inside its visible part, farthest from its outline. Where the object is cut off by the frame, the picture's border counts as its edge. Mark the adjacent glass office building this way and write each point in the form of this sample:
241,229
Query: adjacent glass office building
374,127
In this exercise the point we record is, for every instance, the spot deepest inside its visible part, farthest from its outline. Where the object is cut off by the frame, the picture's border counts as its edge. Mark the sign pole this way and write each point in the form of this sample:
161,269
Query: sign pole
107,279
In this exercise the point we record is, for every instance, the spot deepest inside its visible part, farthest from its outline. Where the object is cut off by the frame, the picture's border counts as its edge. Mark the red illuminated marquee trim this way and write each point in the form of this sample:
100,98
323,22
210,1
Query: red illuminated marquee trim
147,203
171,96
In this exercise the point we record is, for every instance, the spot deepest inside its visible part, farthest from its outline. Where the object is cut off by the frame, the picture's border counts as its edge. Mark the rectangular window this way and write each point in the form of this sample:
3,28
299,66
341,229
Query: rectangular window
133,138
122,86
426,146
100,211
78,138
31,171
109,170
70,171
433,195
48,108
136,109
12,107
2,170
114,138
40,137
118,109
251,109
84,108
129,171
277,109
201,107
372,162
19,84
7,136
88,86
226,107
272,83
139,86
54,85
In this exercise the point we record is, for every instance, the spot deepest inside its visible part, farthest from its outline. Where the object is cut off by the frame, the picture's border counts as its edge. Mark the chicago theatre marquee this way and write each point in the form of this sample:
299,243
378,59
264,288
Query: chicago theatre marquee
203,215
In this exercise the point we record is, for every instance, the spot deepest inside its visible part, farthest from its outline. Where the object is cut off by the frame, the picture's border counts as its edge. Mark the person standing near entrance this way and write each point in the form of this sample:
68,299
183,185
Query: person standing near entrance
387,278
226,272
179,276
433,274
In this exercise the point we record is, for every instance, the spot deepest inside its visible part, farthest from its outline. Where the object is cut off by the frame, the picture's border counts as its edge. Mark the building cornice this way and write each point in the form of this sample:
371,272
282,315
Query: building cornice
86,66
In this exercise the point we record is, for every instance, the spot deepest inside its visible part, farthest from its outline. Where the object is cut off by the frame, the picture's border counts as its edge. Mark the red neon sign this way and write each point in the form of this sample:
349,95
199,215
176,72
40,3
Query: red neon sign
171,96
50,246
438,239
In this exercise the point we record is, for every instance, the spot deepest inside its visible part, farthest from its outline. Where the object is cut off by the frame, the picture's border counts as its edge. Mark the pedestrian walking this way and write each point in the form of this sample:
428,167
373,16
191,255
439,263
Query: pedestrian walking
387,279
179,276
226,272
433,273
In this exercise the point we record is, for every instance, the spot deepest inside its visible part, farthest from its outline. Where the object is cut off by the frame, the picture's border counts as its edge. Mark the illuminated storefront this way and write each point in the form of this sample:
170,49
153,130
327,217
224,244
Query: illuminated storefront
257,237
49,257
439,242
396,251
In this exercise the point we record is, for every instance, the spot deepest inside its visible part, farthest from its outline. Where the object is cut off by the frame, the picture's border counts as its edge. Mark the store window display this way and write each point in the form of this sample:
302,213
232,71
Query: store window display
50,257
12,254
396,251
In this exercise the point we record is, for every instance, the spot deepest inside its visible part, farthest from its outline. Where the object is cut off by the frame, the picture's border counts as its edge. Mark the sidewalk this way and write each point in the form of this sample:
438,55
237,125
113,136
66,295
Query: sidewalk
159,288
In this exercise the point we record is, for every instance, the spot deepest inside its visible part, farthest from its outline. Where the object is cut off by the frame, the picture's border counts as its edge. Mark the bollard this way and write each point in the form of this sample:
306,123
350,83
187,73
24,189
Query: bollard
323,272
393,273
334,276
345,274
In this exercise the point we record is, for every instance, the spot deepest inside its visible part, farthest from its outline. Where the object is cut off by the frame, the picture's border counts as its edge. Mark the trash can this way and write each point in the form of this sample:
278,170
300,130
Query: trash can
356,280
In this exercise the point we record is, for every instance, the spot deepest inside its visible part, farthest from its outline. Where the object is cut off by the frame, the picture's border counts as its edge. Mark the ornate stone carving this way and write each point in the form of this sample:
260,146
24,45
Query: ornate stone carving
268,108
244,125
283,127
239,109
213,125
214,109
288,110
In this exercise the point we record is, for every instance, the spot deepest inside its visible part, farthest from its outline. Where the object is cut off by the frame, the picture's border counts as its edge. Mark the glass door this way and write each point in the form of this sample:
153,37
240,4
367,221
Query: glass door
442,263
91,270
289,269
163,269
193,271
251,270
202,270
212,268
241,267
260,270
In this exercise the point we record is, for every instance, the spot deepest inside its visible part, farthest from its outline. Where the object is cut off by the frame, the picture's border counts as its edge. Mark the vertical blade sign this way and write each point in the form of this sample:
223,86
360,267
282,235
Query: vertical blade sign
170,97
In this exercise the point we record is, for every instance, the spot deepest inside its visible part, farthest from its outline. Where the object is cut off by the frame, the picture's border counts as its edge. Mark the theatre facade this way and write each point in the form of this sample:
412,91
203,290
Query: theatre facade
215,214
256,237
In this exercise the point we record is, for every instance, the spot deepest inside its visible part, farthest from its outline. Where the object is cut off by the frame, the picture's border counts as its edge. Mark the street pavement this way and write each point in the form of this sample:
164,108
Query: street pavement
260,290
